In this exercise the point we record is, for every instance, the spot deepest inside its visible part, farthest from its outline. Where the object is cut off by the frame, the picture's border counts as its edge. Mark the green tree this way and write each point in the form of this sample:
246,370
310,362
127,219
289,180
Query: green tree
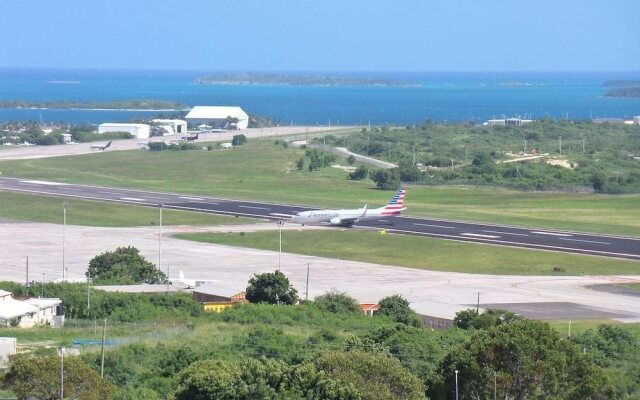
409,172
351,159
386,179
32,377
238,140
469,319
359,173
272,288
397,307
125,265
300,164
374,375
337,302
530,361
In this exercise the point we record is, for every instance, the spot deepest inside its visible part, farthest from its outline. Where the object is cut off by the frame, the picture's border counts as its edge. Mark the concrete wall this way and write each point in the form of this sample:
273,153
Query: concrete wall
140,131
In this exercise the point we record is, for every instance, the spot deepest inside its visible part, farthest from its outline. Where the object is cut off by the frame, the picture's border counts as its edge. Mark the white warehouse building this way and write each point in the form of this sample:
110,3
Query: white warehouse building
171,126
218,117
140,131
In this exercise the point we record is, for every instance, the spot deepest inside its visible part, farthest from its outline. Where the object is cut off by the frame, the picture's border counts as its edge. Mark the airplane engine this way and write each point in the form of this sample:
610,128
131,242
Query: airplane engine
335,221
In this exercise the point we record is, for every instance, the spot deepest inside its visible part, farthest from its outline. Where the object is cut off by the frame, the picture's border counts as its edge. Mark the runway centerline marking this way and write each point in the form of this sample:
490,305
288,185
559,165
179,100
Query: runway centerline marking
552,233
254,208
435,226
191,198
480,235
202,202
506,233
43,183
116,193
586,241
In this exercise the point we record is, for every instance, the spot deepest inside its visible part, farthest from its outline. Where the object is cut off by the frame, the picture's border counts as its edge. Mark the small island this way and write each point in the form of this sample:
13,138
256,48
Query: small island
249,78
622,83
633,91
128,105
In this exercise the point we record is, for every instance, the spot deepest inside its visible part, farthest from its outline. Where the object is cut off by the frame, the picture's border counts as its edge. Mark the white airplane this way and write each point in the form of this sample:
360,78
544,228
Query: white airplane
192,283
350,217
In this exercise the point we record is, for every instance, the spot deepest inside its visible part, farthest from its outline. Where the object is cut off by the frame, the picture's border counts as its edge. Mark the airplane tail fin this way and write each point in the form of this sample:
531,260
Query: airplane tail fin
396,205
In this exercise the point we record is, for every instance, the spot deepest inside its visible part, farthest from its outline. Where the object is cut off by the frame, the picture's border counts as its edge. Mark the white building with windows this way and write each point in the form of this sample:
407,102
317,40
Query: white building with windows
218,117
140,131
30,312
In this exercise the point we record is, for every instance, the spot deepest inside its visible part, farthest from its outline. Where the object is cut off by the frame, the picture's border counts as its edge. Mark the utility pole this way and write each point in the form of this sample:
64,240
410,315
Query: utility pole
62,372
456,371
495,385
104,336
452,164
525,147
160,238
27,272
478,305
560,144
582,145
414,155
280,223
88,290
306,292
64,239
42,285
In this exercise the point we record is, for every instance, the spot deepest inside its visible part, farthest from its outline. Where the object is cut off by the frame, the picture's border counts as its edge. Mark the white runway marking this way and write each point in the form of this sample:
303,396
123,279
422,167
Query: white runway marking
254,208
202,202
586,241
506,233
43,183
481,236
551,233
192,198
281,215
435,226
132,199
116,193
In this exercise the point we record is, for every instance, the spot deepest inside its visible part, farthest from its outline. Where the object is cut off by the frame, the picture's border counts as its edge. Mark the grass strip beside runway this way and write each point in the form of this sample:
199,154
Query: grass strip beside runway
422,253
36,208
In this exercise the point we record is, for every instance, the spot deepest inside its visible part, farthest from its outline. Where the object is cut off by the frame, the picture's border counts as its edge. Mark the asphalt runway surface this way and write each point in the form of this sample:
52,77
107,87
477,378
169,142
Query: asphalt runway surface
531,238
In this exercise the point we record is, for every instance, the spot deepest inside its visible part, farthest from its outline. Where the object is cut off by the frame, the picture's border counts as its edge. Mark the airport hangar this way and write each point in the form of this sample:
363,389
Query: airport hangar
218,117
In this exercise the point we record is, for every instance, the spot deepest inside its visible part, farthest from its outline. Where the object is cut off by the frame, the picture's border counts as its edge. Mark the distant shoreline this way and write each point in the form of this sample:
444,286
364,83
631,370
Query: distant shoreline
118,105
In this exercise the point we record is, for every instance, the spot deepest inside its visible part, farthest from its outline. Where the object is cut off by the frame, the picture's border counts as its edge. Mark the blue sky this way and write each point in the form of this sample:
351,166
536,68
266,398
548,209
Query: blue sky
305,35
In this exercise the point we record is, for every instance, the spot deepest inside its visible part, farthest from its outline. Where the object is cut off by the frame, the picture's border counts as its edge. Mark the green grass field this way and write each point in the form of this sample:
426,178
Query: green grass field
36,208
423,253
261,170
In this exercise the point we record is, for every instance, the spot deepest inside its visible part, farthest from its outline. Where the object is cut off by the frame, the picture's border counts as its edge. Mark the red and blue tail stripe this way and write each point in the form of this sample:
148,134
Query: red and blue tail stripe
396,205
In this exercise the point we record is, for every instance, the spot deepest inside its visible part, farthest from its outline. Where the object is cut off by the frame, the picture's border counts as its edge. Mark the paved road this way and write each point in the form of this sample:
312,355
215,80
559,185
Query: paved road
544,239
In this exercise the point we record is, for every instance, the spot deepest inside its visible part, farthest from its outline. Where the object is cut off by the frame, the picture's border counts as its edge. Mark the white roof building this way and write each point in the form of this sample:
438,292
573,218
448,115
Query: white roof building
141,131
218,116
30,312
172,126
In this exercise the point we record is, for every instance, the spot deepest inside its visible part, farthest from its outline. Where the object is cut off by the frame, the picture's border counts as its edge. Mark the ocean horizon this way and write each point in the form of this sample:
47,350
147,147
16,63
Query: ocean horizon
438,96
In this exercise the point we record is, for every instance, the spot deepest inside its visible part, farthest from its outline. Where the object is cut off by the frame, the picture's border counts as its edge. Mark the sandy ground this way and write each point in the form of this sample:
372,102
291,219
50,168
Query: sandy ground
431,293
27,152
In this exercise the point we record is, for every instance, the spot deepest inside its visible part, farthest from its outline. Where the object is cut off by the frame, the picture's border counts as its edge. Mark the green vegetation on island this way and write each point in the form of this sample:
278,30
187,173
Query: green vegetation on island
142,104
255,78
631,91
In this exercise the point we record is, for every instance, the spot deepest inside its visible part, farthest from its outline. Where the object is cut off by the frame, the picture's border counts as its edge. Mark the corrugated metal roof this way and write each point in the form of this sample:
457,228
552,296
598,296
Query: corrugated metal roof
42,303
216,112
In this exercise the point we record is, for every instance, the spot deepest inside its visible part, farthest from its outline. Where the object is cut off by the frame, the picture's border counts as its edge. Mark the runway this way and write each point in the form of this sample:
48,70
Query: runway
532,238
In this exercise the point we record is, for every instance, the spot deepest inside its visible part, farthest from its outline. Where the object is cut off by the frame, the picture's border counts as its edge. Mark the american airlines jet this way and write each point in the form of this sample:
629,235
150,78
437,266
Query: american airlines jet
350,217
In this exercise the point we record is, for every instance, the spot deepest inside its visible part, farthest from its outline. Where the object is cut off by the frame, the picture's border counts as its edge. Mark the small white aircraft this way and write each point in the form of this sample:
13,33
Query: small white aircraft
193,282
99,147
350,217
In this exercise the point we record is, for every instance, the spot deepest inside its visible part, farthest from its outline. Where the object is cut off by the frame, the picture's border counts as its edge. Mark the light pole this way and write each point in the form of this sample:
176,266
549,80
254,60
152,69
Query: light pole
64,239
456,371
62,372
280,223
161,206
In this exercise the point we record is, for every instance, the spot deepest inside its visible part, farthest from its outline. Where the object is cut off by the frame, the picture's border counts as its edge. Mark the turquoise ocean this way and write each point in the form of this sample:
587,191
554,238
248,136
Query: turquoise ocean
439,96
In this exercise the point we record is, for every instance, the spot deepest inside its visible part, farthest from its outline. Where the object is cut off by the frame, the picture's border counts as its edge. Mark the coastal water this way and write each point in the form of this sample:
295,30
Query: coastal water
439,96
